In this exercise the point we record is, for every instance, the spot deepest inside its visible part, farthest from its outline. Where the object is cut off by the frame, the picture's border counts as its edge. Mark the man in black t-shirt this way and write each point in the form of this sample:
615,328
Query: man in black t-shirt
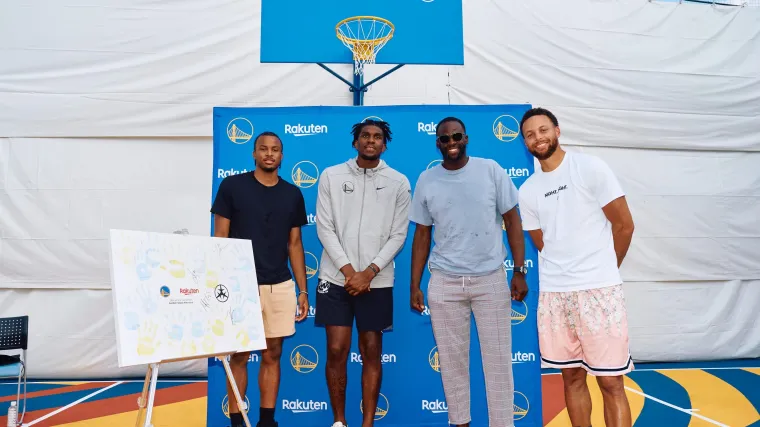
267,210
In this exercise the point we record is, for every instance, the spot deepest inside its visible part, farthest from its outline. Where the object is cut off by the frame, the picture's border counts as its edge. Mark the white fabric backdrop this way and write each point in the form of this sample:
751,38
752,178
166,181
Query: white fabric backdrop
105,121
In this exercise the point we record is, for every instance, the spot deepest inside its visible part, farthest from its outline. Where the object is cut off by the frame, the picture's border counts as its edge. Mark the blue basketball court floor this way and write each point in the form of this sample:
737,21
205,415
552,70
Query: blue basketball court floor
672,395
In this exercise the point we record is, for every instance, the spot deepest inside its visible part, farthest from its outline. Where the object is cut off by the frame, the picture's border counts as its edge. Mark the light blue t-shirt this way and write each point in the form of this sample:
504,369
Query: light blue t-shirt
465,206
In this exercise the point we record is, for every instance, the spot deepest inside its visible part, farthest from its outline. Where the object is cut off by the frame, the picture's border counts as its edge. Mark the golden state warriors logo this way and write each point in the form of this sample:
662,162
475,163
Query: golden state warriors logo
312,265
383,406
435,364
433,164
305,174
519,312
375,118
304,358
240,130
521,405
226,406
165,292
506,128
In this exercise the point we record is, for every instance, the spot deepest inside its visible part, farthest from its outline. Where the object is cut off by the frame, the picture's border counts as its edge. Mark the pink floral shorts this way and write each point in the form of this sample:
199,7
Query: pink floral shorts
585,329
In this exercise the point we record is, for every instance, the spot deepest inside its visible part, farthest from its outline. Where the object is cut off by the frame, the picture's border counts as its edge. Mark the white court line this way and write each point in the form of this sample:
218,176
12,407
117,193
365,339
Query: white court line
670,369
686,411
59,410
167,381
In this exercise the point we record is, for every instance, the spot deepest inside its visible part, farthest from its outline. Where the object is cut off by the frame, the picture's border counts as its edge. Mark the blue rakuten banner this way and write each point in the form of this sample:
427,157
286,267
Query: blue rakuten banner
315,138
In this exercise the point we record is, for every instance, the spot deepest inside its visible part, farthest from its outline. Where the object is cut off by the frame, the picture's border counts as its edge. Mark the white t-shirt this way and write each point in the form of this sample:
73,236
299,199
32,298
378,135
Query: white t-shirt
566,204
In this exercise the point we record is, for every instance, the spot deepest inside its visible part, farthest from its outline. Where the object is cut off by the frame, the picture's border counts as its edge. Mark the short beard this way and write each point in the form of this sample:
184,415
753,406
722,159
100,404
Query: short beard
369,158
552,148
268,168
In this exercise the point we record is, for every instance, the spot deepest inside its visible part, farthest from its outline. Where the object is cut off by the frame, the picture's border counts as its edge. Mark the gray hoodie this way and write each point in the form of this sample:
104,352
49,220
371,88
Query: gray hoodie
362,218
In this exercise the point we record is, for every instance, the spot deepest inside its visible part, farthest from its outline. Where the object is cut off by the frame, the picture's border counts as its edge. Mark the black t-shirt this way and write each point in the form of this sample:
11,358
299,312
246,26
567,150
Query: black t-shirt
264,215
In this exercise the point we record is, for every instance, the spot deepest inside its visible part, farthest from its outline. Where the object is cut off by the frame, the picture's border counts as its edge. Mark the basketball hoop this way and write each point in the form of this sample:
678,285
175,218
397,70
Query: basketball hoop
364,36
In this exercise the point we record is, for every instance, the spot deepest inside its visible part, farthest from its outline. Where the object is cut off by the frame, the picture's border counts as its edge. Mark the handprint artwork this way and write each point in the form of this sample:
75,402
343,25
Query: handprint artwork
212,279
245,264
145,260
189,349
176,325
149,302
178,296
131,321
198,331
174,253
146,341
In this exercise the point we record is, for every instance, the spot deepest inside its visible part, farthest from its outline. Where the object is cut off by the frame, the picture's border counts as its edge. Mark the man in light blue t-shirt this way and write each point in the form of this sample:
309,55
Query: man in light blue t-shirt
467,198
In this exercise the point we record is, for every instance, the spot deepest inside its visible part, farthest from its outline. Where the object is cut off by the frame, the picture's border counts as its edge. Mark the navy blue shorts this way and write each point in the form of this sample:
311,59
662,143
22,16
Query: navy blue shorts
372,310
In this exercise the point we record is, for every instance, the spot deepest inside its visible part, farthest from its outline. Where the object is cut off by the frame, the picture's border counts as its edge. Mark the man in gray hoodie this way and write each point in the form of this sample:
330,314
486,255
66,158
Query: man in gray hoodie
362,223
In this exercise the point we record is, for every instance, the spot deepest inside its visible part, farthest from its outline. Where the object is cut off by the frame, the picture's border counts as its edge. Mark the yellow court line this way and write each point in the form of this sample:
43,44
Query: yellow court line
636,402
714,398
753,370
188,413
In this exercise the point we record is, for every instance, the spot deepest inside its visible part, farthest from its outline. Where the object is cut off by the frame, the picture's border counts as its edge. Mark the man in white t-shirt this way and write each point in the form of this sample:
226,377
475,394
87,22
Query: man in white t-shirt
577,216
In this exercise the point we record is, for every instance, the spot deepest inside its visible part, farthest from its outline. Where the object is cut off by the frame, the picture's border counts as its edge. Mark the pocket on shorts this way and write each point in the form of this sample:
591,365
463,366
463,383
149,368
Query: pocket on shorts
283,299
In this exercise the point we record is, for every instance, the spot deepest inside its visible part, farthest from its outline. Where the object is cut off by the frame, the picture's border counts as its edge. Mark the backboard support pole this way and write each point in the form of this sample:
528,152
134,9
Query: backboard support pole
358,93
358,87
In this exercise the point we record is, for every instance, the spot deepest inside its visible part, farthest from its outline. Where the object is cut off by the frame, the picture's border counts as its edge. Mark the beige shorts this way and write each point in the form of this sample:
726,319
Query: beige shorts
278,309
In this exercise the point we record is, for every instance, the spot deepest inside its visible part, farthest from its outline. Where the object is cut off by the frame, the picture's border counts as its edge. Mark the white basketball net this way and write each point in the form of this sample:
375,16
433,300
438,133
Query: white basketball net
364,36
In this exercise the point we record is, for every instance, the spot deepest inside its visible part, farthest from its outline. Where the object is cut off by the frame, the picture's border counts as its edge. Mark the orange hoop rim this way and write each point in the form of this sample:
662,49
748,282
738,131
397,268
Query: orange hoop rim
375,41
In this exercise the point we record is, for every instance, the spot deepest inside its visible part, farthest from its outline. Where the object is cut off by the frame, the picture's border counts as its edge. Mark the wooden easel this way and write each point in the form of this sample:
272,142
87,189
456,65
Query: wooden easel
151,378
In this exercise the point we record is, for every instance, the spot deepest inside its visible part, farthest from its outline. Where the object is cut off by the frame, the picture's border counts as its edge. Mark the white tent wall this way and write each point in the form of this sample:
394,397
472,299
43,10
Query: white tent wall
105,122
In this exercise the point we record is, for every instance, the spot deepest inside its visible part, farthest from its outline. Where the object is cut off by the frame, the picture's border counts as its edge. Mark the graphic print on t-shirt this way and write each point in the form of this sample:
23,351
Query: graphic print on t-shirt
561,187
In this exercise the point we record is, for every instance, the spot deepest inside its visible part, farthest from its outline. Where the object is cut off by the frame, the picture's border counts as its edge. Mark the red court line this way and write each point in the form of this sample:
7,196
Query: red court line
553,392
115,405
59,390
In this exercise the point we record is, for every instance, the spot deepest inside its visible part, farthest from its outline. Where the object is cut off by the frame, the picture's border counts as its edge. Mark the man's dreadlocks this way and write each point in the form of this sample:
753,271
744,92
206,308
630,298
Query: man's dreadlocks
356,130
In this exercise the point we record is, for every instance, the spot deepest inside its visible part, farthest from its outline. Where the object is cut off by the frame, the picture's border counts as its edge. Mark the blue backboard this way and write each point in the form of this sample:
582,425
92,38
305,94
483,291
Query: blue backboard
425,32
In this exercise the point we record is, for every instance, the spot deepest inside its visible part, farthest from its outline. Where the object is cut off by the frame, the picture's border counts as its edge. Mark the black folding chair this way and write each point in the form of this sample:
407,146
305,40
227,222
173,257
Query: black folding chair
14,335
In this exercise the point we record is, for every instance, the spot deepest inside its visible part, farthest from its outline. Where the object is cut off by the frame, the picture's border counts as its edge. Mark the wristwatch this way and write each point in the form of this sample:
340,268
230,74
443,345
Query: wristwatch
523,270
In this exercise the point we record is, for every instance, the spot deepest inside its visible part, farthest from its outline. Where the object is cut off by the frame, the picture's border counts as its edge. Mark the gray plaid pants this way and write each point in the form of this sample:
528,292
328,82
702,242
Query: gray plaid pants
451,300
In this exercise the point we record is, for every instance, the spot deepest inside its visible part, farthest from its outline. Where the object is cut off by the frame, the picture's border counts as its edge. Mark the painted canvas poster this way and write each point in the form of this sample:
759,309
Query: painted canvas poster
182,296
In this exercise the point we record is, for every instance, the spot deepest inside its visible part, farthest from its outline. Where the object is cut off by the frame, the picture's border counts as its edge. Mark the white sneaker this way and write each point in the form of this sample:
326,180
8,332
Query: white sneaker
338,424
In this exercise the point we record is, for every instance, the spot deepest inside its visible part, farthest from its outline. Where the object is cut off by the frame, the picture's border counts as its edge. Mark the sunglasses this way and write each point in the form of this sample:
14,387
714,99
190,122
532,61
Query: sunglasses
446,138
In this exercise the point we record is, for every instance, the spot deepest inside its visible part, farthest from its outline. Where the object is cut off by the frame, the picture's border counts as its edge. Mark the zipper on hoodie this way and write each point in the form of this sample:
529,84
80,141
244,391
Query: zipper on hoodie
361,216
